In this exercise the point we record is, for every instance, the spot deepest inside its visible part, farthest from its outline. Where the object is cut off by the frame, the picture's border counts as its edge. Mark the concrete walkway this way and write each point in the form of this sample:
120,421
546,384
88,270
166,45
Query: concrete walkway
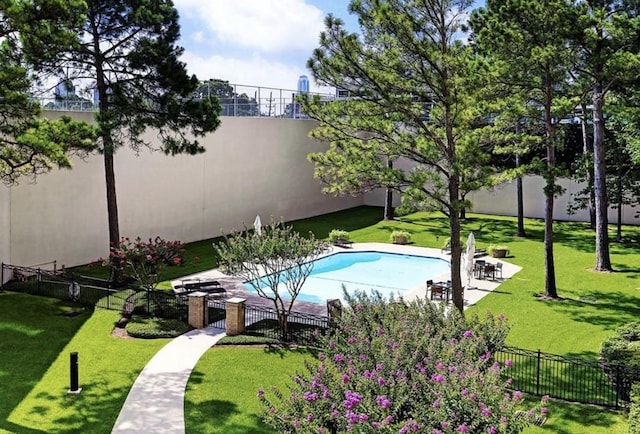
155,403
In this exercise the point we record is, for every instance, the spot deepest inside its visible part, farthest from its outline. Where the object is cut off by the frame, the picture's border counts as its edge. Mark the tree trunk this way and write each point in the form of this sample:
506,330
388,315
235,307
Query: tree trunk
549,265
112,202
388,200
456,251
589,175
388,204
112,211
603,261
619,201
550,187
521,231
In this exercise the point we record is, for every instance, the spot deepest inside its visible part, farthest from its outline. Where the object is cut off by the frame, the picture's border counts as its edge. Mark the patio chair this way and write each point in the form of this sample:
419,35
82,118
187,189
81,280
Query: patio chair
478,269
498,270
438,291
429,285
490,269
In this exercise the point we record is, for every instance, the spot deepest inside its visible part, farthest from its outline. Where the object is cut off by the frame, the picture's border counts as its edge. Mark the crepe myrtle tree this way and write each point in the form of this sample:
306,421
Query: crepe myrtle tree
392,366
276,263
145,260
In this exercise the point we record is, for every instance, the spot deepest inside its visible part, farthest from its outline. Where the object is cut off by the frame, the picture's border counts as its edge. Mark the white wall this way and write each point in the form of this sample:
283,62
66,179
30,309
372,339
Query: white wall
252,166
502,200
5,226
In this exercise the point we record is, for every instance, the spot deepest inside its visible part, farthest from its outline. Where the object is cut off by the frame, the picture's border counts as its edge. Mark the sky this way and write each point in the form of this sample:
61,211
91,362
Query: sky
262,43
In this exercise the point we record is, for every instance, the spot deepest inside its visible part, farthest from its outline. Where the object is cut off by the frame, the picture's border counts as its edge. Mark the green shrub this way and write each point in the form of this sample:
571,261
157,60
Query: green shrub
492,248
623,348
634,410
152,328
400,237
338,236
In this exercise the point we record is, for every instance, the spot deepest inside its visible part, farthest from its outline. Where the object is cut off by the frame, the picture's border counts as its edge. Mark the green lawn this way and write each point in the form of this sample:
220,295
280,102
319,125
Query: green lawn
35,342
221,394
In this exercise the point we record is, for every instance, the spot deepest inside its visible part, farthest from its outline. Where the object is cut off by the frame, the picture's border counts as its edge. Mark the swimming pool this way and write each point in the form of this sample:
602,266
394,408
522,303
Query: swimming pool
385,272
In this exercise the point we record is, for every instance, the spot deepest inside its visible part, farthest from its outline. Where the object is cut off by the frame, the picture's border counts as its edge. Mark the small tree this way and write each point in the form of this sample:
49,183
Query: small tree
276,263
145,261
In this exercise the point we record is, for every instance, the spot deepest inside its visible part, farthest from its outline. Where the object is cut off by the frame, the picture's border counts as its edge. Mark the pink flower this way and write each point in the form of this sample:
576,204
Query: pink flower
463,428
508,363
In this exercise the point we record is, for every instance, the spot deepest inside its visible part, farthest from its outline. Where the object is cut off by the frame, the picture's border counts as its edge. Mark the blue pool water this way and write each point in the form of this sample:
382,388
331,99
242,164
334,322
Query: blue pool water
387,273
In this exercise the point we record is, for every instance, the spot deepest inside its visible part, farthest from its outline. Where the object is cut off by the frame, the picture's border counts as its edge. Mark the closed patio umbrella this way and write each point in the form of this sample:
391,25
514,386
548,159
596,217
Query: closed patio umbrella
469,255
257,225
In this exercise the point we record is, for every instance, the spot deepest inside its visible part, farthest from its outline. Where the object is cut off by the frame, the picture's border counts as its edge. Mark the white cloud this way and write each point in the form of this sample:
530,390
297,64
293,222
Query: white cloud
268,26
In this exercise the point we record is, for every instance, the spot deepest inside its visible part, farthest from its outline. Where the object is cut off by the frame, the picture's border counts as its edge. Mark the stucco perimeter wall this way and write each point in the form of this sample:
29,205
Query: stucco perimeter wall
502,200
5,227
252,166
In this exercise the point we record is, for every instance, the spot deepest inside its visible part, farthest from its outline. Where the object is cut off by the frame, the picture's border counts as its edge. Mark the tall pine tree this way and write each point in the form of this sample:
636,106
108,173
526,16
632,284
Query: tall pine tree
408,75
31,34
128,52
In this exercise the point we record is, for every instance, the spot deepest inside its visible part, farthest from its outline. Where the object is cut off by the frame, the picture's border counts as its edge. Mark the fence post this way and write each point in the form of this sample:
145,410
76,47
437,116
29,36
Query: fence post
538,374
38,280
617,383
235,307
2,277
198,310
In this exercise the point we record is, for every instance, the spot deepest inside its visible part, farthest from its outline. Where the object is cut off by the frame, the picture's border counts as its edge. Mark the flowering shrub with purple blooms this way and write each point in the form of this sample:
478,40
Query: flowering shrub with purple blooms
402,367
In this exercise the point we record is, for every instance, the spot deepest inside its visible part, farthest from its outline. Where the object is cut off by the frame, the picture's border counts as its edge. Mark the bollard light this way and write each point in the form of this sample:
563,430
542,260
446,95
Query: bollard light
74,388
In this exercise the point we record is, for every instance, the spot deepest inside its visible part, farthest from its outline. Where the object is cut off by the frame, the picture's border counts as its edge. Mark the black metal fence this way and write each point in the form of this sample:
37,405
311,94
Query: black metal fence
296,327
217,313
92,292
569,378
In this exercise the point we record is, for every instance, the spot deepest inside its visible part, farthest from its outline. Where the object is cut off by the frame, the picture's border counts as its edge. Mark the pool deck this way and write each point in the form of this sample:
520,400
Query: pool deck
474,291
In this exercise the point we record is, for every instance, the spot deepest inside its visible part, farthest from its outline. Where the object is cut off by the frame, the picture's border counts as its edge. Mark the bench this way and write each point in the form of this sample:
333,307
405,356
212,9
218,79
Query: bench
342,243
209,286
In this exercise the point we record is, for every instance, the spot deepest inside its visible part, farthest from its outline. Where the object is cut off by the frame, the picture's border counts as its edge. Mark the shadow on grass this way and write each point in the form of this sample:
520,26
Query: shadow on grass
213,416
347,220
31,339
565,417
91,408
604,309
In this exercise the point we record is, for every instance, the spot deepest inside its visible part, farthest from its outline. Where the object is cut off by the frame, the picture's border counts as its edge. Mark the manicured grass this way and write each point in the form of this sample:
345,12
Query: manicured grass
33,332
221,394
566,418
594,304
35,342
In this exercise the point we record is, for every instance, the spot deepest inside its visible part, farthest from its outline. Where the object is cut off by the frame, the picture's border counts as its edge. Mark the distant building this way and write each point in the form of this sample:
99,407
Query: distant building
303,87
303,84
65,89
